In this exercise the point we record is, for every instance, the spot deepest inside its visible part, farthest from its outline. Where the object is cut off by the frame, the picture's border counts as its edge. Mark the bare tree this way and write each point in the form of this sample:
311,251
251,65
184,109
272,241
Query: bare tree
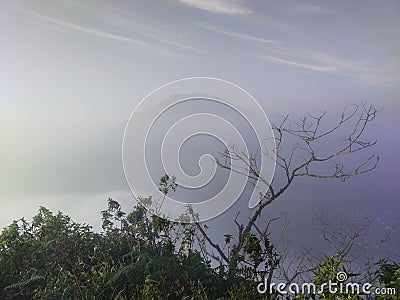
345,240
300,151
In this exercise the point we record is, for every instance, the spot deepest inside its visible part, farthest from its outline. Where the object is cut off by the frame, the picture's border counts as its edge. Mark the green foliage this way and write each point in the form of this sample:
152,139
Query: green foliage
389,278
134,258
139,255
48,256
328,271
167,184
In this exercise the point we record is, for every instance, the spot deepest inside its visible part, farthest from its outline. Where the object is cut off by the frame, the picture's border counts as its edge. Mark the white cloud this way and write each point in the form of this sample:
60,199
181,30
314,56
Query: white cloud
297,8
228,7
161,33
90,31
297,64
379,73
246,37
369,73
86,30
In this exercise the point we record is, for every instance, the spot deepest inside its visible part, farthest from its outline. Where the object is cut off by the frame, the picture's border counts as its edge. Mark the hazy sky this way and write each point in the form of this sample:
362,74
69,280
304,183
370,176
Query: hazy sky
71,72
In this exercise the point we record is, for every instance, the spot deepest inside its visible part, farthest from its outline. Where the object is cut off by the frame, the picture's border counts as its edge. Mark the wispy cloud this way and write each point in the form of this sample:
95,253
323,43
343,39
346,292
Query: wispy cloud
250,38
128,21
140,44
383,73
297,64
228,7
296,8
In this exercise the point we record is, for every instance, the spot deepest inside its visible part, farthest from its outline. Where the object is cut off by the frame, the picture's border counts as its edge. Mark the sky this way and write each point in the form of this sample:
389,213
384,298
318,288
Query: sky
71,73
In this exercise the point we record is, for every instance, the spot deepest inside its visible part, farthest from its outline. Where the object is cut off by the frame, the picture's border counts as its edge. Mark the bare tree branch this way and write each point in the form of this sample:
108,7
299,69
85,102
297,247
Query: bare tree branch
298,153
